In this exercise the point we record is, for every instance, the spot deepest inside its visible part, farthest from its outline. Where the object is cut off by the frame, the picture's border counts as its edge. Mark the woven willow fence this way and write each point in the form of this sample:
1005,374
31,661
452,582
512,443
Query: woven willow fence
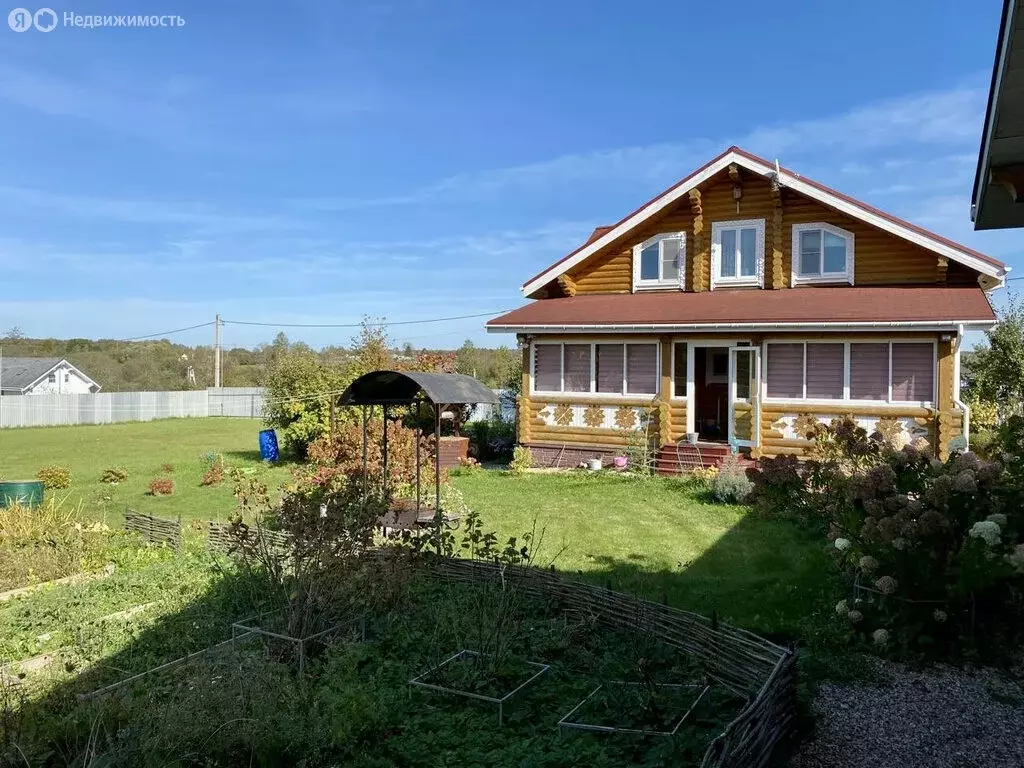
219,539
749,665
156,530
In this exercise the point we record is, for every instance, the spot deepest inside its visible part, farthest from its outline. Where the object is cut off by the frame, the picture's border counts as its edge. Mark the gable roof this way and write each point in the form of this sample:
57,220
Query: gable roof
928,307
19,373
790,180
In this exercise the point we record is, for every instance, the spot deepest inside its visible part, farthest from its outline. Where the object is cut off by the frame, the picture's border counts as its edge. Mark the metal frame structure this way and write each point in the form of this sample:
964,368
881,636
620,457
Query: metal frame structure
413,389
418,681
565,722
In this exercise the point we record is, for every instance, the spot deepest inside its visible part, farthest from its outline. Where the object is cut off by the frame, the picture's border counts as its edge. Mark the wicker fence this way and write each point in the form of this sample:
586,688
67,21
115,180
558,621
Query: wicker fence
749,665
156,530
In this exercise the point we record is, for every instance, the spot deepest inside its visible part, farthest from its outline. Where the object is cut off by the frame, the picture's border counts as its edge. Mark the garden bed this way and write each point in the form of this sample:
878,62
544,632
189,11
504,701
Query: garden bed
472,675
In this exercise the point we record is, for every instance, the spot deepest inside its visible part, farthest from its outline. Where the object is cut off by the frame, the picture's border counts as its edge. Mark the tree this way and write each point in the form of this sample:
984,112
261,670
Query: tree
300,390
14,334
996,373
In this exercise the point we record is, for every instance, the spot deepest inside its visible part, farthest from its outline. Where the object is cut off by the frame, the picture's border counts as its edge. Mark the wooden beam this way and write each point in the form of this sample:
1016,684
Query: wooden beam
1010,178
697,255
778,273
568,284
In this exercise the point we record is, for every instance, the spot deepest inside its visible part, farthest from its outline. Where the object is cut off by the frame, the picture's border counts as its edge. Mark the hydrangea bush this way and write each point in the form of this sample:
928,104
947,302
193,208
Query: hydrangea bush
932,550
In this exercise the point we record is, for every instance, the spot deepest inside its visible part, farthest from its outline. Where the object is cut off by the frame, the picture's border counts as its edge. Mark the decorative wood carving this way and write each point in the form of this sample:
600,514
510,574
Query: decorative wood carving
699,258
778,272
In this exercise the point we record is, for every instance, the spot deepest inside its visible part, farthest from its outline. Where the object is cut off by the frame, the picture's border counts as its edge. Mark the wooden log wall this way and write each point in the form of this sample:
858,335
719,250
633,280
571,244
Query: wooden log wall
880,258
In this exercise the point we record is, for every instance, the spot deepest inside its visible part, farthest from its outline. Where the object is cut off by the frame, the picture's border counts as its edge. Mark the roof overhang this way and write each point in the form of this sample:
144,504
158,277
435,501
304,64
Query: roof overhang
978,325
787,179
997,201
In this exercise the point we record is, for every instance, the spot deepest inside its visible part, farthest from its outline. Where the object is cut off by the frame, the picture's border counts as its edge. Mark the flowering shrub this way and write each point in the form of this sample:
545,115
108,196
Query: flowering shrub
161,486
933,550
522,460
343,455
54,477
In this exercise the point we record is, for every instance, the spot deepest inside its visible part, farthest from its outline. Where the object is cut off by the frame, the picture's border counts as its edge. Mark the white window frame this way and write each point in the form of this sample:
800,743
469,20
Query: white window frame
661,283
846,276
672,371
592,392
752,281
846,399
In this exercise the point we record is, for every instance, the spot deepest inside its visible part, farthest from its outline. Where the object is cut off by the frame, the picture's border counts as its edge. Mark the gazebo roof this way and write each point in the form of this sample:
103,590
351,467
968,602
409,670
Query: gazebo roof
396,388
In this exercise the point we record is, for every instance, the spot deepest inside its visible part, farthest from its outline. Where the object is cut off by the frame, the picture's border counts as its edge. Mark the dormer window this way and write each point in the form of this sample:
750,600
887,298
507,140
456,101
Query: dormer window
737,253
822,253
660,262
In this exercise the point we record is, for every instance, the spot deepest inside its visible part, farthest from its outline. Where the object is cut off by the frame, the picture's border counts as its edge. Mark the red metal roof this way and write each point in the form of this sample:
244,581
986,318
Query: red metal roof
827,190
871,304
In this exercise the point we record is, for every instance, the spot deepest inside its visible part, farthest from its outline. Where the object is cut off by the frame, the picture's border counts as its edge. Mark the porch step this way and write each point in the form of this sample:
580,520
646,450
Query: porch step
676,459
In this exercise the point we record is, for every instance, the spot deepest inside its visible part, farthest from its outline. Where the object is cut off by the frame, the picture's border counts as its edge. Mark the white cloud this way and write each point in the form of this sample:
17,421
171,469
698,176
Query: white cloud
937,119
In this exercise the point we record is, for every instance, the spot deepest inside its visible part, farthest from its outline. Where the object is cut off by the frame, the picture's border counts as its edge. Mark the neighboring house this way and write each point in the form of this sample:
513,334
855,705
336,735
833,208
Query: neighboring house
998,198
743,304
43,376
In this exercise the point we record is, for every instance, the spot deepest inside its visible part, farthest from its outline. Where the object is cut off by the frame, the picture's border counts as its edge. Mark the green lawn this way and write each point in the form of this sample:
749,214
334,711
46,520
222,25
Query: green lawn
142,448
666,540
661,538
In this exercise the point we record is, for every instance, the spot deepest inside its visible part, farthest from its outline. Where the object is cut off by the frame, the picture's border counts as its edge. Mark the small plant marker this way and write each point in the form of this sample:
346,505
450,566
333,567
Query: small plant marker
418,680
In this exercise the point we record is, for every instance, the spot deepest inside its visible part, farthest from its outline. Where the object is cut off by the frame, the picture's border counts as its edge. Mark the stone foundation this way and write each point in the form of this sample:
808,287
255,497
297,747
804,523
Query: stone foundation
570,456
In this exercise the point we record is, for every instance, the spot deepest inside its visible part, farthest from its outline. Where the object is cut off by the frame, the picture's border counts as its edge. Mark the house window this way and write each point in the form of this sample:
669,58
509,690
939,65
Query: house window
913,372
887,372
822,253
679,363
869,371
737,253
614,369
577,367
52,378
67,378
825,371
660,262
610,368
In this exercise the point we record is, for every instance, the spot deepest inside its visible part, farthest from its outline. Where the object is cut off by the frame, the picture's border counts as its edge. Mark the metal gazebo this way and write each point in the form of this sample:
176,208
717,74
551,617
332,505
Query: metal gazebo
389,389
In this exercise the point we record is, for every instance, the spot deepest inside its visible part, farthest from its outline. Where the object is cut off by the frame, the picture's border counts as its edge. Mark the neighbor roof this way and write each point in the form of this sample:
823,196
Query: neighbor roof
790,180
20,373
867,307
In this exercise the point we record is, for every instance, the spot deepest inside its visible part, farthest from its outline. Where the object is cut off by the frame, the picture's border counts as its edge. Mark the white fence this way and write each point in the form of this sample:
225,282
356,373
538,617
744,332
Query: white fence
110,407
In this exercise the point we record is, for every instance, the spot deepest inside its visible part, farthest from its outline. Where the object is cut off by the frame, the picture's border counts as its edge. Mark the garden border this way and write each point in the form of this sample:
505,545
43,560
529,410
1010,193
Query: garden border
747,664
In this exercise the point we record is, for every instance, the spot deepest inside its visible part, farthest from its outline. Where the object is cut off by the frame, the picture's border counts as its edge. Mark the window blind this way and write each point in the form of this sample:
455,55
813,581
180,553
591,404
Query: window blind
869,371
547,367
913,372
825,371
785,370
641,369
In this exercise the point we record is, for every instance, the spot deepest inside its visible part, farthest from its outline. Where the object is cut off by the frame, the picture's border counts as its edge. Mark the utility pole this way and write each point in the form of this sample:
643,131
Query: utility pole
216,352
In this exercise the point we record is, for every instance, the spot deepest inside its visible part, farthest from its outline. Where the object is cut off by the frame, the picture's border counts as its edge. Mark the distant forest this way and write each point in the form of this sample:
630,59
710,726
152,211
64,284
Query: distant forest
123,366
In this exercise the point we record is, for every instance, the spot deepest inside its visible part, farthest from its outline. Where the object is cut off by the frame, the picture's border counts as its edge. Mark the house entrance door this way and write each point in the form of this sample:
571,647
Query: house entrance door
744,396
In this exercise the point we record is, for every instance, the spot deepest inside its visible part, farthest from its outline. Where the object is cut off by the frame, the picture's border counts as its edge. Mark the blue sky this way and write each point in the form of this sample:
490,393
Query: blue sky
313,162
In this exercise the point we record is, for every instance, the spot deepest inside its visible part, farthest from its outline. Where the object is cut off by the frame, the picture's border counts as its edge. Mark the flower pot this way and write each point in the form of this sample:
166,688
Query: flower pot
594,464
692,438
620,462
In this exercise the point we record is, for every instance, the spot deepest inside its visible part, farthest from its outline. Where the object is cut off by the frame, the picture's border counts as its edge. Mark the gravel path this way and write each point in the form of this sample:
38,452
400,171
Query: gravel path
942,718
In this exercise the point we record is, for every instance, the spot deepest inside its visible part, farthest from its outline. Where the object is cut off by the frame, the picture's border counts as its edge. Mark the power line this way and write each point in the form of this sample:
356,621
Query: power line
167,333
360,325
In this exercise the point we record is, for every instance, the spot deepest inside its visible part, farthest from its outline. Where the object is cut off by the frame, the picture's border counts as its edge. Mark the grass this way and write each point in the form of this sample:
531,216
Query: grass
667,540
142,448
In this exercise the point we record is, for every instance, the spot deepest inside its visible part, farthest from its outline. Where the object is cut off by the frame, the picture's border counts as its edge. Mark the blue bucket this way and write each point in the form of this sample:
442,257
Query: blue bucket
268,445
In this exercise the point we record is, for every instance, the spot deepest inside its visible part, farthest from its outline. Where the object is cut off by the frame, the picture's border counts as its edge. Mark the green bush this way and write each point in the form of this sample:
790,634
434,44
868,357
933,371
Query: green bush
114,475
730,485
522,460
933,551
491,440
54,477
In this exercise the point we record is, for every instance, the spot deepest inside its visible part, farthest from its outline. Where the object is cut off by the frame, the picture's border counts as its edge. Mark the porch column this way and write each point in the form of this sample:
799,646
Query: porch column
665,392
